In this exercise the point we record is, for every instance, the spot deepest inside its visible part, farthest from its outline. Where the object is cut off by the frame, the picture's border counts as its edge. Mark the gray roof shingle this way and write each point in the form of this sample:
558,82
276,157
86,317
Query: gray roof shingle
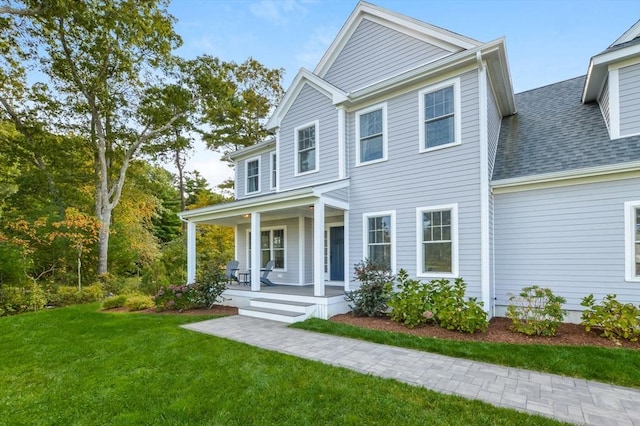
554,131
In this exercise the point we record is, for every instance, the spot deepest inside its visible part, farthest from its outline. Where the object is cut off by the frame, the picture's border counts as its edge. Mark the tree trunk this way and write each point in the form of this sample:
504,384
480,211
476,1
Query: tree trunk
79,270
103,239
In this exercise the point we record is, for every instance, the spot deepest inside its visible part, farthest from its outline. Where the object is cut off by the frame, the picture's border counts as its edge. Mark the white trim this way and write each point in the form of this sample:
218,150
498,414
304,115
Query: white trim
318,248
236,241
191,252
273,168
301,250
485,284
628,35
254,263
365,235
629,243
327,229
382,106
614,104
457,119
270,229
278,159
347,247
453,208
246,176
296,131
341,142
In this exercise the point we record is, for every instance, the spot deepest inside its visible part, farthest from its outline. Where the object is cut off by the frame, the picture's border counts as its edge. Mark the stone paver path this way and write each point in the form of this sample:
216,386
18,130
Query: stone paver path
563,398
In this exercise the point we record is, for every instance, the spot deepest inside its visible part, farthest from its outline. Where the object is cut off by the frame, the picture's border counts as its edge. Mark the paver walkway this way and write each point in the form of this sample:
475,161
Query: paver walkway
563,398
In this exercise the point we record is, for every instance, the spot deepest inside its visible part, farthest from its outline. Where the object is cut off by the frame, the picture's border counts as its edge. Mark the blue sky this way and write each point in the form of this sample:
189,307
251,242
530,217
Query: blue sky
547,40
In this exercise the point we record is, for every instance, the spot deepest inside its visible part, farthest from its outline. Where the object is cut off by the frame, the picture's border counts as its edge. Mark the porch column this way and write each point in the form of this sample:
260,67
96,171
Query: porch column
318,248
347,262
191,252
255,251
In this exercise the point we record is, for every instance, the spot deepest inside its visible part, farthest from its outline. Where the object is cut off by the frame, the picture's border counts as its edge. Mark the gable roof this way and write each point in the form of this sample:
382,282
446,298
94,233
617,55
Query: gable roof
432,34
555,132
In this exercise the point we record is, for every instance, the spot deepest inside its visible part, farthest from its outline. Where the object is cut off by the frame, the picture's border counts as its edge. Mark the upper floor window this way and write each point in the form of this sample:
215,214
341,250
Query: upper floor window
253,175
437,241
440,115
632,240
274,171
379,238
307,148
371,135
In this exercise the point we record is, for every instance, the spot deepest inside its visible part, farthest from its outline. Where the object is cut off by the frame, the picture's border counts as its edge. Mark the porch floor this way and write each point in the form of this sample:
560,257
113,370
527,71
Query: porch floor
295,290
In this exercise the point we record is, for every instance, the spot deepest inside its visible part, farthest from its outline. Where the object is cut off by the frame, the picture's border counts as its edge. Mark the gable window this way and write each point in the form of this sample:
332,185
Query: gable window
371,135
379,238
632,240
253,175
440,115
274,171
272,247
437,241
307,148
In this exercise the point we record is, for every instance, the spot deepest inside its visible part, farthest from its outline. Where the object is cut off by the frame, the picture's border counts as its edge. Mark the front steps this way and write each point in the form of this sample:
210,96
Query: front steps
278,310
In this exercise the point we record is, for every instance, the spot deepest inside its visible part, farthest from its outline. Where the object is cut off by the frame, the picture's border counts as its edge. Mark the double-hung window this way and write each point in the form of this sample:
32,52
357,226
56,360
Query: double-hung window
379,238
306,138
272,247
437,241
632,240
253,175
440,115
371,135
274,171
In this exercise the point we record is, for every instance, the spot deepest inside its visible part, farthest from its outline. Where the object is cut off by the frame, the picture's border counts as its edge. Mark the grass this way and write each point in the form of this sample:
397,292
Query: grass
610,365
77,366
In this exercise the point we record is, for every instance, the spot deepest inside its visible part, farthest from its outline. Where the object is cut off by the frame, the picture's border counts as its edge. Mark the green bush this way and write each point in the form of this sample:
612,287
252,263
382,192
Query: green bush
412,305
69,295
613,318
176,298
536,311
376,284
112,302
210,283
14,300
450,309
139,302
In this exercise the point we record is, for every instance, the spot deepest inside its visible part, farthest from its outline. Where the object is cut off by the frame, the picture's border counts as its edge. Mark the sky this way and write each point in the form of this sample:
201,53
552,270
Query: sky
547,40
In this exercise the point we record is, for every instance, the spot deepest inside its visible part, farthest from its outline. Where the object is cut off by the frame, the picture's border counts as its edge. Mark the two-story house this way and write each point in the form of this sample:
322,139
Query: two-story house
407,145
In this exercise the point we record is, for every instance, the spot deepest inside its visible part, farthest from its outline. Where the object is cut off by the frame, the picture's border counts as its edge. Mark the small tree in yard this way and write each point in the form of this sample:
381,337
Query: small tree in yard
376,285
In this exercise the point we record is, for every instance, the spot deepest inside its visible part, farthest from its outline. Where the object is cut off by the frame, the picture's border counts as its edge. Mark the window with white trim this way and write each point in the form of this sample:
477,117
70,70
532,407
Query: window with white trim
379,238
437,241
274,171
253,175
371,137
307,148
632,240
440,115
272,247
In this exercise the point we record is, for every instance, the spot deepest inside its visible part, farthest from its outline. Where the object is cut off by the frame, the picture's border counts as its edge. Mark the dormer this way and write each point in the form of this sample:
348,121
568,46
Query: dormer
613,80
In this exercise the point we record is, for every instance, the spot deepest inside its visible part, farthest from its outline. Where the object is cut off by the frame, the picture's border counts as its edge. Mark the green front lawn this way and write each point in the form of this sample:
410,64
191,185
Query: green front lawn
611,365
79,366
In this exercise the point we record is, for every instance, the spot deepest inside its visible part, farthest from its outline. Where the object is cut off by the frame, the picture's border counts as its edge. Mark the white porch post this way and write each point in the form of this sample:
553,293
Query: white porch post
191,252
255,251
318,248
347,263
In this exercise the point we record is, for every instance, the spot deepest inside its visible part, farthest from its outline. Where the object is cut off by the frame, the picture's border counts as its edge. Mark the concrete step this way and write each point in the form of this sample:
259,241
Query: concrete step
272,314
284,305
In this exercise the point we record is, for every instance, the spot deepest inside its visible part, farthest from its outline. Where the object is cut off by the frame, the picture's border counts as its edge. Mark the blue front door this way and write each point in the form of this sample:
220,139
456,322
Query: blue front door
336,253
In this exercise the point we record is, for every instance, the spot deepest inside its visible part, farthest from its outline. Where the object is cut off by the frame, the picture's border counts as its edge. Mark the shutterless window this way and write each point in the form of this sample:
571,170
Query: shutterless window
439,117
307,149
253,175
437,247
379,240
274,171
271,247
371,138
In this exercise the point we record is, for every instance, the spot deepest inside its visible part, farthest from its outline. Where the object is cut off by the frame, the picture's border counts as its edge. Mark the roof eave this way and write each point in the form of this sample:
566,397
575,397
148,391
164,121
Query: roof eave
599,69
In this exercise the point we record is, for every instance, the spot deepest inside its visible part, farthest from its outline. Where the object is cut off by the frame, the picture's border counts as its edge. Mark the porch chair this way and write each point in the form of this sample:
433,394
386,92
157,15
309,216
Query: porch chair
230,271
265,273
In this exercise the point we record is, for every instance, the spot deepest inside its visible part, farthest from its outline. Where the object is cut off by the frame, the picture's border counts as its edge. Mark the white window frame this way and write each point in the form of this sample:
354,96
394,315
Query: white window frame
383,107
273,172
296,151
246,176
629,239
365,234
457,119
270,229
453,208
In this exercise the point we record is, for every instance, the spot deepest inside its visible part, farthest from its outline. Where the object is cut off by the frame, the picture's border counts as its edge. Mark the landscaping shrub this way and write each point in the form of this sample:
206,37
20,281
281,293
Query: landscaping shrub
114,301
376,284
14,300
450,309
69,295
210,283
176,297
536,311
139,302
412,305
615,319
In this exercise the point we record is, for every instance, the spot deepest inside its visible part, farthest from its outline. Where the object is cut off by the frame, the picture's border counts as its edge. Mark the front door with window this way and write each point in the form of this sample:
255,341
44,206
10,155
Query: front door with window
336,253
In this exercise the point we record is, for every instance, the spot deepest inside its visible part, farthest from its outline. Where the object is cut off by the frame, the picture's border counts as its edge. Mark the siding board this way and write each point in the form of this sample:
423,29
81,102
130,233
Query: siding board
629,83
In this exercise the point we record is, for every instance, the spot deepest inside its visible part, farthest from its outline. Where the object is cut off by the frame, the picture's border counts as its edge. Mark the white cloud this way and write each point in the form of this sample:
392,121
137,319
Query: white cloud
315,47
278,11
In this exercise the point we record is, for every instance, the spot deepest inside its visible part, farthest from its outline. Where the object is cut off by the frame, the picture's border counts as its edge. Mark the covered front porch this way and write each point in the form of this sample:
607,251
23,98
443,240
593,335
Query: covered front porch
304,232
